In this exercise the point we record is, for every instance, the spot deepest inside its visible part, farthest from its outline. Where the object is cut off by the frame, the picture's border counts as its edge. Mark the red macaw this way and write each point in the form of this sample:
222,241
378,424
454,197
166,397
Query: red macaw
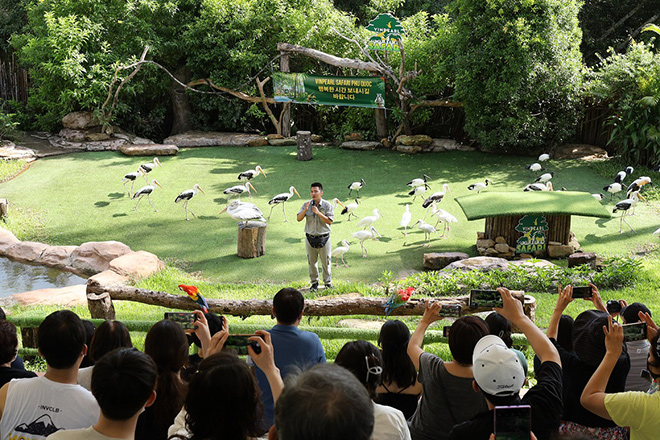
194,294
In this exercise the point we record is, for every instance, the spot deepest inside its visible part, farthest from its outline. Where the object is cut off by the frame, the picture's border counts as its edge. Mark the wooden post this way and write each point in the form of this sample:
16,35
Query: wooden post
304,139
100,306
4,208
251,239
286,113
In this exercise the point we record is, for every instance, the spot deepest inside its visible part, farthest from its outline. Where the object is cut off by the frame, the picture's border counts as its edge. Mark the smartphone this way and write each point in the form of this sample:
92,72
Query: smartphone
187,320
582,292
240,344
634,332
485,298
512,422
450,310
445,331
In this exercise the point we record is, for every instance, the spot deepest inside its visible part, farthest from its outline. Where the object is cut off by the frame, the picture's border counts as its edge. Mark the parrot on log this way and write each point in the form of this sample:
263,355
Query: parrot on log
194,294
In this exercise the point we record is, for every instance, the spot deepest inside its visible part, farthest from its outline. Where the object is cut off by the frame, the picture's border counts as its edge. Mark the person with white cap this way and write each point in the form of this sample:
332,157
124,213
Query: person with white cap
499,375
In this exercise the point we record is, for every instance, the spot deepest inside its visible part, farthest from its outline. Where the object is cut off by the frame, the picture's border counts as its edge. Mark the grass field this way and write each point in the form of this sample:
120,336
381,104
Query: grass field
80,198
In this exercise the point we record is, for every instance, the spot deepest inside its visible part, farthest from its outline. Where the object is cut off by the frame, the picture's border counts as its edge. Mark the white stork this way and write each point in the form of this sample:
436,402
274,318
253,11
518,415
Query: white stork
350,209
436,196
623,174
405,220
186,196
428,230
599,196
339,252
146,191
369,220
418,182
281,198
251,174
362,236
131,176
537,187
149,167
545,177
479,185
543,157
613,188
625,206
356,186
238,190
418,191
243,211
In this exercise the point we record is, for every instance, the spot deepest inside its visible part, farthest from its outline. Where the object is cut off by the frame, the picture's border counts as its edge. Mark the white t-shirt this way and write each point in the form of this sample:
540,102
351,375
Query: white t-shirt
389,424
85,377
79,434
38,407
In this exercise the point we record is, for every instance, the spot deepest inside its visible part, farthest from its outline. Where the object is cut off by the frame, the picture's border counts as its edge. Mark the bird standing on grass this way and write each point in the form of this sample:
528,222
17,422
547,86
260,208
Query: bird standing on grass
350,209
534,167
442,216
356,186
397,299
405,220
149,167
599,196
613,188
537,187
238,190
186,196
339,252
545,177
436,196
479,186
251,174
638,184
131,177
623,174
543,157
418,182
281,198
428,230
362,236
625,206
146,191
369,220
194,294
418,191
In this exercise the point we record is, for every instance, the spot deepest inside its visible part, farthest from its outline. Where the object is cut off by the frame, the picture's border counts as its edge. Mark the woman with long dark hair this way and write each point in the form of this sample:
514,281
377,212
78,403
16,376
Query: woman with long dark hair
399,387
108,336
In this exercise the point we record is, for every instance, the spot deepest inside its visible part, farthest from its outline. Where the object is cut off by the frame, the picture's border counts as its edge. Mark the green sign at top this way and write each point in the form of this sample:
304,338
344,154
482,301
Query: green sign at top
388,31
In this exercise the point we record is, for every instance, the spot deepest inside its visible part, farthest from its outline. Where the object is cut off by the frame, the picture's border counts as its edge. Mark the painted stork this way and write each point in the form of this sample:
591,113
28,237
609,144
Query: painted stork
362,236
339,252
186,196
356,186
534,167
436,196
418,182
350,209
613,188
545,177
405,220
146,191
243,211
238,190
625,206
251,174
418,191
369,220
543,157
479,185
428,230
638,184
149,167
131,177
623,174
280,199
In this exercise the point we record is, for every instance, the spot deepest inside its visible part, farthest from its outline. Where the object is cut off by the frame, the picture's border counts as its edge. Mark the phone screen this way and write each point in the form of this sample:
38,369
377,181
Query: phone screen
239,343
187,320
634,332
485,298
450,310
512,422
582,292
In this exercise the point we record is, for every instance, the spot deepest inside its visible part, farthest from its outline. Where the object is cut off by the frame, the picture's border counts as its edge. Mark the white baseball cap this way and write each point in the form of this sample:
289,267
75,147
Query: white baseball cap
496,368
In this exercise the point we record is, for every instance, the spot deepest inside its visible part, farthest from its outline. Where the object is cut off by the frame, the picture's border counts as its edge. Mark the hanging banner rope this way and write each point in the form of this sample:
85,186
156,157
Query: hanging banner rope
353,91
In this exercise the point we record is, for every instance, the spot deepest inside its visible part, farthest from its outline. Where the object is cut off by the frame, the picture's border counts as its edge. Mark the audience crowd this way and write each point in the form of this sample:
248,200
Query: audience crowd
589,381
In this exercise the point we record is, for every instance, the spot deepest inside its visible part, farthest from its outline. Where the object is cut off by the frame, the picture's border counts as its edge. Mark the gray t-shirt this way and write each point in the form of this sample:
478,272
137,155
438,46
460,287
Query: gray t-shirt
313,223
638,352
433,419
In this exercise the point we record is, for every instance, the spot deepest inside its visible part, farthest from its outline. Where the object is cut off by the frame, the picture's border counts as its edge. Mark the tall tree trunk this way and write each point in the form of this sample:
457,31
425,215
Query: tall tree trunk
180,103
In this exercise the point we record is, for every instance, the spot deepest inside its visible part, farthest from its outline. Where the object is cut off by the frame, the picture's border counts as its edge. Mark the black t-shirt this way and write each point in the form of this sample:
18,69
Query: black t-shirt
545,398
9,373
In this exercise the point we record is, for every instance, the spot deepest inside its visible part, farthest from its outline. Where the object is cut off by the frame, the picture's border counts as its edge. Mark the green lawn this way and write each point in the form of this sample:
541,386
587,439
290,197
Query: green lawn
80,198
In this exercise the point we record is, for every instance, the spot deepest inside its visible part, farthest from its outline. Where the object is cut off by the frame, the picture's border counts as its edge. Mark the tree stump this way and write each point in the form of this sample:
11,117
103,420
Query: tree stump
251,239
29,337
304,139
100,306
4,208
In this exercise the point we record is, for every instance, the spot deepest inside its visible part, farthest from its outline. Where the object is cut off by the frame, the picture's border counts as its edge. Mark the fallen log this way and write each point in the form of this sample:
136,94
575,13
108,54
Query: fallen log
328,307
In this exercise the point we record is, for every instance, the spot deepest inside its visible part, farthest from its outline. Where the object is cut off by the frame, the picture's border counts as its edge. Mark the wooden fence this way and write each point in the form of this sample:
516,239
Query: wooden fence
13,79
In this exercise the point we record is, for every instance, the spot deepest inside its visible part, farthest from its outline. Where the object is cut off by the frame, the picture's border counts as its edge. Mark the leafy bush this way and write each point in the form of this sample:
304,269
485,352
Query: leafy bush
630,82
517,67
8,124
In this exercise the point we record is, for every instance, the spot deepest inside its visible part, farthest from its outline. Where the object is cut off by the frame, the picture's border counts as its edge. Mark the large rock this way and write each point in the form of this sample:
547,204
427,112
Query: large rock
483,264
261,142
95,256
440,145
361,145
579,151
56,256
419,140
485,243
7,239
282,142
9,150
79,120
149,150
209,138
72,135
353,137
580,258
561,251
439,260
138,264
25,251
64,296
502,248
409,149
108,278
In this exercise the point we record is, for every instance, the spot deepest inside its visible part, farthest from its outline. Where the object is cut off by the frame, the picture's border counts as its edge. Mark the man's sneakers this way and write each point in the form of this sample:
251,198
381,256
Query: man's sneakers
314,287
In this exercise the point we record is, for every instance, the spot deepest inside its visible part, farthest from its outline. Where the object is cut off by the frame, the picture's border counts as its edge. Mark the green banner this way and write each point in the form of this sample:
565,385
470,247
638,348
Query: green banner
353,91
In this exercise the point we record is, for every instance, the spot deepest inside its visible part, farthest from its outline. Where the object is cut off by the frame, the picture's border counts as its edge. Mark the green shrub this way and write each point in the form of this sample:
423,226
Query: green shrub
8,124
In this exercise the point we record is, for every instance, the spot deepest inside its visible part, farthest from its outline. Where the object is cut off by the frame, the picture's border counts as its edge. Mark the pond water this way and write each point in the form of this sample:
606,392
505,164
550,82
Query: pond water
18,277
